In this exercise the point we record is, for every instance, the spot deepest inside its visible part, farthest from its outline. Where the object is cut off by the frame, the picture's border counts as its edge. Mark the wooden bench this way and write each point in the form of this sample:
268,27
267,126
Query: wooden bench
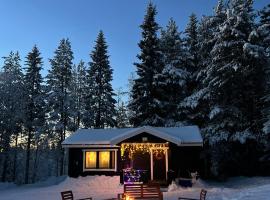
141,191
68,195
202,196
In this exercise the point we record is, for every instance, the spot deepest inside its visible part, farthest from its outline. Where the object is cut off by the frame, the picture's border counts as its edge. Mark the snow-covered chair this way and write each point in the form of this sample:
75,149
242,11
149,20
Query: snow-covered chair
68,195
202,196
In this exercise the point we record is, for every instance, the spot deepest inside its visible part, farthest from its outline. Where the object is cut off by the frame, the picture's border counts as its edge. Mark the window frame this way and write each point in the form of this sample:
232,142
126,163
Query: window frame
97,164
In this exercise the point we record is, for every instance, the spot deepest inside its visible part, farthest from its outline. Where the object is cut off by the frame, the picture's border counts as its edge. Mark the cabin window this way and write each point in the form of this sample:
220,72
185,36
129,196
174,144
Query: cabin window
90,159
104,160
100,160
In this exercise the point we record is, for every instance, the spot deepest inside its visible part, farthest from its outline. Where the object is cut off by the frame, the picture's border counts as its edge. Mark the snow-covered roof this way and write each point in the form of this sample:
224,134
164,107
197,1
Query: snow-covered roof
185,135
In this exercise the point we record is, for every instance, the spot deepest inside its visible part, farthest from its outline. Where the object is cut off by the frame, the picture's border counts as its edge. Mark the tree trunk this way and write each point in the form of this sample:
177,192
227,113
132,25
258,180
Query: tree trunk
5,166
62,152
63,131
27,161
6,148
15,159
79,119
35,165
98,117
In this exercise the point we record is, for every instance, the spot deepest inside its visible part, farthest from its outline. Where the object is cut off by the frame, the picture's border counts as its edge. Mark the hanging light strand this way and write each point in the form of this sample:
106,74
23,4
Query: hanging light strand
131,148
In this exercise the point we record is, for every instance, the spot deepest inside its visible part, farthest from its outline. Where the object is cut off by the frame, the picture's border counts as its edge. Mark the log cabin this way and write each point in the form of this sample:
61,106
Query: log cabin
138,155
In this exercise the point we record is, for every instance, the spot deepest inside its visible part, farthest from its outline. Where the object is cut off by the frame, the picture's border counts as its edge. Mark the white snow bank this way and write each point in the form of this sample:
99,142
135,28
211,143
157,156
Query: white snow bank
102,187
240,188
5,186
98,187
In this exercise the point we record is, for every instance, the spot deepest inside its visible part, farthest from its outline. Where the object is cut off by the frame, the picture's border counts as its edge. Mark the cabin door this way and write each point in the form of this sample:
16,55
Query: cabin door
159,164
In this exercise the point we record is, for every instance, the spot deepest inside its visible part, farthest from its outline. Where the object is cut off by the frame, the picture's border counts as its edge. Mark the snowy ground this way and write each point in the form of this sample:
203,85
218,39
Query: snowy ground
101,187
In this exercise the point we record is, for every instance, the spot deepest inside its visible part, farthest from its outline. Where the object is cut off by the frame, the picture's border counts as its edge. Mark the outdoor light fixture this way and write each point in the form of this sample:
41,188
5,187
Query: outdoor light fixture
144,139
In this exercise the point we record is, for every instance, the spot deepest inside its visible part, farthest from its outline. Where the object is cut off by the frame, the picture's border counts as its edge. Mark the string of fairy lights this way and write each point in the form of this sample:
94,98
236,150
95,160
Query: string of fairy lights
134,175
131,148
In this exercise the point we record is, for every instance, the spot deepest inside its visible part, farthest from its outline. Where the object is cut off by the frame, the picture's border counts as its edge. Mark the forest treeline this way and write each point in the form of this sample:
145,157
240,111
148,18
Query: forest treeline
214,74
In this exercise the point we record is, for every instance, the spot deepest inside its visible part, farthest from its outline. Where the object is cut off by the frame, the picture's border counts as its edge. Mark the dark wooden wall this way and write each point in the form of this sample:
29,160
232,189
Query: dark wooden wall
185,159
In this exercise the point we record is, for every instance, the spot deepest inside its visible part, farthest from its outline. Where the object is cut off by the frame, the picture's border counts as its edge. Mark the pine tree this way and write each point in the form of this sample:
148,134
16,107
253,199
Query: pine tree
233,79
265,15
145,96
121,109
172,79
34,102
78,90
207,30
198,100
192,65
100,101
263,31
11,101
191,43
59,94
225,75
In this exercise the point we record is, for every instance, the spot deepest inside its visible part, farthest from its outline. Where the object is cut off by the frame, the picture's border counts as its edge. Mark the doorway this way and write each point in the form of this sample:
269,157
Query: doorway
159,164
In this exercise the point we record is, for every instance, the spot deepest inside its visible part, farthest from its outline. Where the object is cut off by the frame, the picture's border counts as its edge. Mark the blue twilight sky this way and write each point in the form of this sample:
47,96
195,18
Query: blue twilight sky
45,22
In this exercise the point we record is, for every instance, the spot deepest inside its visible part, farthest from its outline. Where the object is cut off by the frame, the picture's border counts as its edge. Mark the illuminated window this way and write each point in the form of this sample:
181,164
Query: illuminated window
90,159
104,159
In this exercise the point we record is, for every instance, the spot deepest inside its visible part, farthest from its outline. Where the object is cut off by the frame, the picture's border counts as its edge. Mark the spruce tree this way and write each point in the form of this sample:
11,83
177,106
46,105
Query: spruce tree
192,65
198,100
100,103
234,81
265,15
172,79
145,95
11,100
263,31
121,109
78,92
34,103
225,73
191,43
59,95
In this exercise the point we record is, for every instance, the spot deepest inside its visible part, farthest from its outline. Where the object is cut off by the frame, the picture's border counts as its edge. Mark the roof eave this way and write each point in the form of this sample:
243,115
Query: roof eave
147,129
87,145
185,144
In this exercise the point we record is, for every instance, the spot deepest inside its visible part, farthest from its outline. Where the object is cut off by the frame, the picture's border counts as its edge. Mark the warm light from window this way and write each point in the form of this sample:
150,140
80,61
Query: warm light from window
90,159
104,159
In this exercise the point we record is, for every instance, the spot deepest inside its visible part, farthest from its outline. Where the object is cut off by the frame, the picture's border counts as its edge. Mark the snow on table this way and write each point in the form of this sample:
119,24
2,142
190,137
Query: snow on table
104,187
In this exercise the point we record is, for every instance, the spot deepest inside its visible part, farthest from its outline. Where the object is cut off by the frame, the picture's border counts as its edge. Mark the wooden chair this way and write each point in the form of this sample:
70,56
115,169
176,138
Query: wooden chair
202,196
68,195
